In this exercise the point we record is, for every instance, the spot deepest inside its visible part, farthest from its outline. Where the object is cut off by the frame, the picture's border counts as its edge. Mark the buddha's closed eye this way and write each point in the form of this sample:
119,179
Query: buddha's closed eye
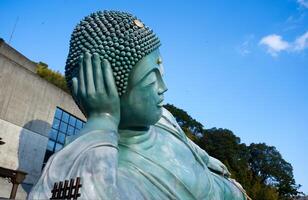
149,79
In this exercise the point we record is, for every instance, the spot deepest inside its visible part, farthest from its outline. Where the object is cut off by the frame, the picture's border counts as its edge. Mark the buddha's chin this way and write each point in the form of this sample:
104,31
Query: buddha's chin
159,114
131,120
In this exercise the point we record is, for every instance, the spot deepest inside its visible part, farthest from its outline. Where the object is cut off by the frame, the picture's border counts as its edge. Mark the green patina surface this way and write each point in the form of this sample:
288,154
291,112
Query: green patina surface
130,147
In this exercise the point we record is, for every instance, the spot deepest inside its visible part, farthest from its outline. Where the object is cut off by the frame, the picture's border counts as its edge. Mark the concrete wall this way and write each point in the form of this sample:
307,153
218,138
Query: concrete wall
27,107
24,150
12,54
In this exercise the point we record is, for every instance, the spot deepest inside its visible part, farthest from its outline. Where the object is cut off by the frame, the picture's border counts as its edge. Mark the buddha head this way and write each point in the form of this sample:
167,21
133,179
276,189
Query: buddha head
132,50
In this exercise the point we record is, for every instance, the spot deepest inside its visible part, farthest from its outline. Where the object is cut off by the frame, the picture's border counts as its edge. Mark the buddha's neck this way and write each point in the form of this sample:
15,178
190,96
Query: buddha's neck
133,132
134,136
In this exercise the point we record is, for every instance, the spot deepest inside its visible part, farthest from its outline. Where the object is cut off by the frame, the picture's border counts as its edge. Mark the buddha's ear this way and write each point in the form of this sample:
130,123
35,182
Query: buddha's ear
74,91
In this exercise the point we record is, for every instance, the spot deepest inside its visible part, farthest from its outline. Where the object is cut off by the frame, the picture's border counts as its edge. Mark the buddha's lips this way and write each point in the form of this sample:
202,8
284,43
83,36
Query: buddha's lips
160,103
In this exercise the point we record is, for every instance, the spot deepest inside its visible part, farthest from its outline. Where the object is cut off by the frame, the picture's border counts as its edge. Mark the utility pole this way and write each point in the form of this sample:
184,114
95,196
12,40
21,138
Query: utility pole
13,30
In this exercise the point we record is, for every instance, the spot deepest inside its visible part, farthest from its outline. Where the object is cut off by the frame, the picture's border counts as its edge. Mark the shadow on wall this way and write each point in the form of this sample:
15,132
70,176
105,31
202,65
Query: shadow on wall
33,140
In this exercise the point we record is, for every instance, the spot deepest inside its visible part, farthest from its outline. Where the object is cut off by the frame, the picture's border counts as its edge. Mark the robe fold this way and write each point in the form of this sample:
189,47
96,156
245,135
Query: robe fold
161,163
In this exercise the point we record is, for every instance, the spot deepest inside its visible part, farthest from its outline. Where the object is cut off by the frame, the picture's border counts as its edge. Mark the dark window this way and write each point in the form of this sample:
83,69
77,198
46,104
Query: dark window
63,127
61,138
79,124
47,155
50,145
56,123
58,114
65,117
76,131
70,130
58,147
53,134
64,124
72,121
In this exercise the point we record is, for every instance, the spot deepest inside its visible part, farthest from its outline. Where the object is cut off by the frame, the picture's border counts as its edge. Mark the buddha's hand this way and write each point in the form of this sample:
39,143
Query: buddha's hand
96,91
218,166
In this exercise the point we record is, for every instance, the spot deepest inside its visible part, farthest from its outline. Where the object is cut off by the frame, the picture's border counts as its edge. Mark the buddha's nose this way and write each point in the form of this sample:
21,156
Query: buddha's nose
162,87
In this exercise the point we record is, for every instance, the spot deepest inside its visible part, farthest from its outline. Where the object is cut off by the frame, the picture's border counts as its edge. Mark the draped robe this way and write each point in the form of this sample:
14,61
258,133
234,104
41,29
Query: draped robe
161,163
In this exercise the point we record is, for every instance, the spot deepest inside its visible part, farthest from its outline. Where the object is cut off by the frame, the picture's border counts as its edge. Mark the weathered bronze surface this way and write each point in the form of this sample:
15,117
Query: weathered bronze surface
131,147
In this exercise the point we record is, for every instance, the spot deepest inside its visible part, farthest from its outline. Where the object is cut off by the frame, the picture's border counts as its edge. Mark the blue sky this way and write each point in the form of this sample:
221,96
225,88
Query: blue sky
241,65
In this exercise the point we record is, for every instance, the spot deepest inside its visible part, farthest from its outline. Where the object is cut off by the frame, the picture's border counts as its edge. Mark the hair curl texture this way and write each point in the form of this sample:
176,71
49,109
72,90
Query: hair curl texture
117,36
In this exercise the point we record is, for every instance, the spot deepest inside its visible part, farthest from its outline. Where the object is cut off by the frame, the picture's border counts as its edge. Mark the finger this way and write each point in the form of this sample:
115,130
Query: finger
81,81
108,77
75,86
88,72
97,74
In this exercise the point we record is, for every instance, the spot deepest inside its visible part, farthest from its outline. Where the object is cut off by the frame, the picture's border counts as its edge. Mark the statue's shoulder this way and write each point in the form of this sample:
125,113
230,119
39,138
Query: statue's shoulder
168,121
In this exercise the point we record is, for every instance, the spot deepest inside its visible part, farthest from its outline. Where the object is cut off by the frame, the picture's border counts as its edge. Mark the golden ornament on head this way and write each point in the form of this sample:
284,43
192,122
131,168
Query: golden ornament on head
138,23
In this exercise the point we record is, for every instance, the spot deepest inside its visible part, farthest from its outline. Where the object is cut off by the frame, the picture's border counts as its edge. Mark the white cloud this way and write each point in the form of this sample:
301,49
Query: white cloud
245,47
301,42
295,21
274,44
303,3
243,50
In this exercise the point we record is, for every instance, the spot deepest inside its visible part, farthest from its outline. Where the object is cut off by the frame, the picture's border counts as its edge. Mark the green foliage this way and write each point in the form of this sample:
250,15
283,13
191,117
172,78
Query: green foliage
51,76
267,163
225,146
189,125
260,169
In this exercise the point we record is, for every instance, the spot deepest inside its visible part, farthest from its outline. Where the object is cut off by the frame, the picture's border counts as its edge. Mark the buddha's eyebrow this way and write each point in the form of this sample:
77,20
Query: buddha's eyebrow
160,68
145,76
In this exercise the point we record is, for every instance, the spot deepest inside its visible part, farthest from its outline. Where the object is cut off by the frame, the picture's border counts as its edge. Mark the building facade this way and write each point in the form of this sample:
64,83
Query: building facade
35,118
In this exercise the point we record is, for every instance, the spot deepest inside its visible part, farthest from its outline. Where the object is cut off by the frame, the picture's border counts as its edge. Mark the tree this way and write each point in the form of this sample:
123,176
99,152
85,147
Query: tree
261,170
224,145
190,126
267,163
227,147
51,76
